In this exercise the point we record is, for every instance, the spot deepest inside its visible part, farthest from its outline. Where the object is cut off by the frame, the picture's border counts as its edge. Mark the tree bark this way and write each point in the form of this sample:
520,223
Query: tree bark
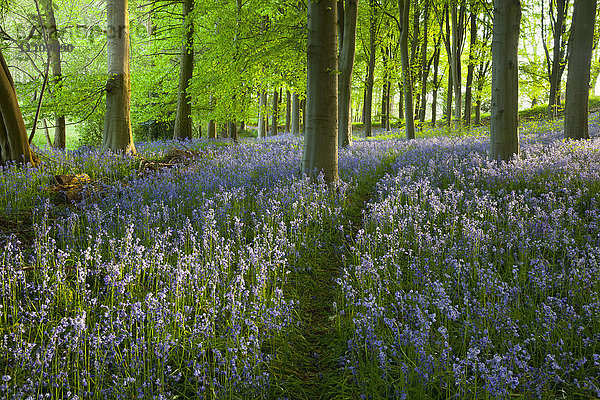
470,70
504,134
321,142
559,28
117,134
54,52
262,110
347,39
436,84
183,118
385,94
578,77
424,68
14,144
295,115
288,111
409,122
275,105
370,73
457,38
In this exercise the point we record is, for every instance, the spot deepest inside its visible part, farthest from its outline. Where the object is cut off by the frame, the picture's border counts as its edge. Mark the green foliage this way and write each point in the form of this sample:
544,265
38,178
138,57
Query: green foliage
90,132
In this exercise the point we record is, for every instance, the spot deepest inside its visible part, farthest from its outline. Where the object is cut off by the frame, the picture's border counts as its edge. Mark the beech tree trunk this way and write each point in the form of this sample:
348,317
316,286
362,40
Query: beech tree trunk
275,106
409,122
14,144
321,142
262,110
558,31
295,115
183,118
54,52
348,14
504,126
436,84
288,111
370,73
470,70
458,16
578,77
117,134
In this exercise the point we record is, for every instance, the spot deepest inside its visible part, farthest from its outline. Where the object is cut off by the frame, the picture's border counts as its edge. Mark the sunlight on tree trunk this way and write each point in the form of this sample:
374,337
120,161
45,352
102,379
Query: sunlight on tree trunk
348,14
320,141
54,51
504,126
578,77
117,123
183,118
14,144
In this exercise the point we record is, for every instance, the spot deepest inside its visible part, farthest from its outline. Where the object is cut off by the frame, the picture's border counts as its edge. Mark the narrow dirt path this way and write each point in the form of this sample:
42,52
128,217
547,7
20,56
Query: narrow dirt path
309,363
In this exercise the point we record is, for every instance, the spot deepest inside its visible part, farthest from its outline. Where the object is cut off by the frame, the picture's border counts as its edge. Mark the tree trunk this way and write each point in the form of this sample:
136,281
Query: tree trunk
370,73
54,52
578,77
470,70
303,119
212,129
458,28
117,134
557,55
288,111
451,67
262,110
504,127
232,130
436,84
404,9
295,115
424,68
183,118
347,39
321,142
14,144
275,105
385,101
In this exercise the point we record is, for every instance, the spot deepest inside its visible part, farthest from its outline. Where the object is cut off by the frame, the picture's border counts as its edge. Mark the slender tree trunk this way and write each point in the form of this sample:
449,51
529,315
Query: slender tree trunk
117,134
451,67
578,77
295,115
436,84
303,111
321,142
232,130
348,18
183,118
424,68
212,129
470,70
54,51
288,111
557,55
262,110
370,73
14,144
504,127
401,101
449,99
275,116
458,16
385,102
404,9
